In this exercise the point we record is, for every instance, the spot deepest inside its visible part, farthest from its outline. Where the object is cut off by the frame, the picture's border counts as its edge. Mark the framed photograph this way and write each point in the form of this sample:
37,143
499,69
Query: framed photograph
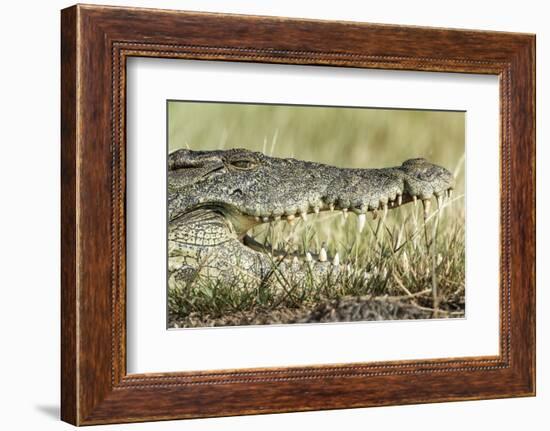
294,229
264,214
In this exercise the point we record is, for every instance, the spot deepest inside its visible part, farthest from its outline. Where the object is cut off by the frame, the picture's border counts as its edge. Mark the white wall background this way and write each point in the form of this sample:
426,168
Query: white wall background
29,215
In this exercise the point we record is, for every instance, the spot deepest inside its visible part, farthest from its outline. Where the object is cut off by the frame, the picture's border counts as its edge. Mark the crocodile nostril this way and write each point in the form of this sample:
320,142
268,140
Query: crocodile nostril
237,192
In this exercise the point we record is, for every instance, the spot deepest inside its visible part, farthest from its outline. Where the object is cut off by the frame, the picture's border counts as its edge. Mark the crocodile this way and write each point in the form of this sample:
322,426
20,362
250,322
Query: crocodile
216,197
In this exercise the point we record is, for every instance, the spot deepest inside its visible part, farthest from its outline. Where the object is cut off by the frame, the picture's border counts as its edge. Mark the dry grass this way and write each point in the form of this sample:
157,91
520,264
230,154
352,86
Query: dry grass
391,259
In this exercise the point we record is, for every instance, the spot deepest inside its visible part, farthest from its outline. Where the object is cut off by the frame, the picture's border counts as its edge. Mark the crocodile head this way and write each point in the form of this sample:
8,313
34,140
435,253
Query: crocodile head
216,197
249,188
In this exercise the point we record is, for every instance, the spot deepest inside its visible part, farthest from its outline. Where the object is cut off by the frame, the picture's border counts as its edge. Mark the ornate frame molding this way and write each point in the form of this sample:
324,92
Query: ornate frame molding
96,41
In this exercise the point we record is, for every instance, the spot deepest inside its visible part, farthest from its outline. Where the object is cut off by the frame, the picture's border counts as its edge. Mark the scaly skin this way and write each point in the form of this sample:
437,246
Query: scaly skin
215,197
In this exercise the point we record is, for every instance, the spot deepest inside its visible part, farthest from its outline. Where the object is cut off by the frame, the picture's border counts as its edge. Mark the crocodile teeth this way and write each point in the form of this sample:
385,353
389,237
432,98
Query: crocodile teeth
265,219
257,218
308,257
385,211
427,205
323,255
331,207
316,210
344,216
415,200
374,214
361,220
304,216
336,260
399,200
439,202
295,260
450,193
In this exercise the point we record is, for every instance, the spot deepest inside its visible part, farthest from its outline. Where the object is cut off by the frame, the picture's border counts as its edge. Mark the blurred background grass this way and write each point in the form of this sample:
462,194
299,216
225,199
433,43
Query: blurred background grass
345,137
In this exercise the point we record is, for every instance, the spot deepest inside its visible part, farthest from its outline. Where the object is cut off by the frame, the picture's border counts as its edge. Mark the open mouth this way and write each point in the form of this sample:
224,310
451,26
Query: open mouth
243,224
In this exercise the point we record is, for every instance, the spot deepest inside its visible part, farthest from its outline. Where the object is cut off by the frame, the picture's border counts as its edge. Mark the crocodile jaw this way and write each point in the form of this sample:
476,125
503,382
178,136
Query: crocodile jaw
242,222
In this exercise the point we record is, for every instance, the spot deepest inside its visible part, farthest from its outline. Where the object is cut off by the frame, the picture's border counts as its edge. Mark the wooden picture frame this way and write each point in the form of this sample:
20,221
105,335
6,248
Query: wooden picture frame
96,41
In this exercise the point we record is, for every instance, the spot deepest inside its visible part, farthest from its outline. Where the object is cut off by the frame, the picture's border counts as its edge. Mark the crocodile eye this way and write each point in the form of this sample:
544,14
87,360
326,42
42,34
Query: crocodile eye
242,164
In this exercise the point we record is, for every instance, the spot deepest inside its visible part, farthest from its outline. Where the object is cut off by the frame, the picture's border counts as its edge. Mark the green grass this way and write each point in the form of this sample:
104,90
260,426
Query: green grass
402,257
